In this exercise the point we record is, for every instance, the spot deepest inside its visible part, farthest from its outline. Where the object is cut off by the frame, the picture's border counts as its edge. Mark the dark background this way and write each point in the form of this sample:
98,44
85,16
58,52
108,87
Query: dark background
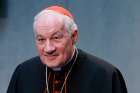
3,8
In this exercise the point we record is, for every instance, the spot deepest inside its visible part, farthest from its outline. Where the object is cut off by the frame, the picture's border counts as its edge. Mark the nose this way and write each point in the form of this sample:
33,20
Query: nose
49,47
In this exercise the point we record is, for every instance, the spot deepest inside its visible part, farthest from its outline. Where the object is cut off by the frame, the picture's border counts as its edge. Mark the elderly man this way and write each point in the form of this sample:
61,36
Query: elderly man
61,67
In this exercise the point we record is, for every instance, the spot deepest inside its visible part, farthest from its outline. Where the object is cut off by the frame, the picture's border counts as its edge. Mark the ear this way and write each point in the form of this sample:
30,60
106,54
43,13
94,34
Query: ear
74,36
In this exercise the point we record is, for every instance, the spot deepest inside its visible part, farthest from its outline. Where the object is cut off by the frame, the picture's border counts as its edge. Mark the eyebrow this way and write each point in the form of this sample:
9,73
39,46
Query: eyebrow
57,32
37,36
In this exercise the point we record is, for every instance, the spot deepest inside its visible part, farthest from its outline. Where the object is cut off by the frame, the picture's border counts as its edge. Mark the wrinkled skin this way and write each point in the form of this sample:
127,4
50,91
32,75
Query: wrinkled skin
54,43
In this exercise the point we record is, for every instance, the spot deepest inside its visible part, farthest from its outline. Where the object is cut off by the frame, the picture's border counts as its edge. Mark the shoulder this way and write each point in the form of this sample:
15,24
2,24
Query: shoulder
100,72
29,65
94,63
32,61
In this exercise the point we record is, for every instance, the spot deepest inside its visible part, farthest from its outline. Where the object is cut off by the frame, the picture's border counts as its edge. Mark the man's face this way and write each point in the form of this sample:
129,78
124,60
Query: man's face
54,43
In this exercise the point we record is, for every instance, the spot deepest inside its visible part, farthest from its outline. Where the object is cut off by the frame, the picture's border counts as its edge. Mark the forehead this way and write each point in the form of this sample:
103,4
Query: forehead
48,23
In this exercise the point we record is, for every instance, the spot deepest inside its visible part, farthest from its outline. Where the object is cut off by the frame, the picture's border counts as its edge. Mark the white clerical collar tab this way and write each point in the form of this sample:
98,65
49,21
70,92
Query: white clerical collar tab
56,69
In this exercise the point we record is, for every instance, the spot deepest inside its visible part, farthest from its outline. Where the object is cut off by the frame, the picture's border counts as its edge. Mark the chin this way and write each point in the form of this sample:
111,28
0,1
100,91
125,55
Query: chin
53,66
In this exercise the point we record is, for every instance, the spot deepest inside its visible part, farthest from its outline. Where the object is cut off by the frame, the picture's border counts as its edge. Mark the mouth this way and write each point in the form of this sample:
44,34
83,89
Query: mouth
51,57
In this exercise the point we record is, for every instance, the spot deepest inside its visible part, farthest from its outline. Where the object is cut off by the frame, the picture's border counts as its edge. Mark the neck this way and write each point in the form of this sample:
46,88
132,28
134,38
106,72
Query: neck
72,55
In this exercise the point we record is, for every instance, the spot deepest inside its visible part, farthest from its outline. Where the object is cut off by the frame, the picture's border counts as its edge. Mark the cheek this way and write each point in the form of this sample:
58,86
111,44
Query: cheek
39,49
66,48
69,45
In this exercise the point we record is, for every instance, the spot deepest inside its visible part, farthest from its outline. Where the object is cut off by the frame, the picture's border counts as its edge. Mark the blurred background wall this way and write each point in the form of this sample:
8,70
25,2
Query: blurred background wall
107,28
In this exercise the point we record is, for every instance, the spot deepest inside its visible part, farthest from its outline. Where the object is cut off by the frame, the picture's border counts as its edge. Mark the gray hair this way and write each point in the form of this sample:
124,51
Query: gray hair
68,22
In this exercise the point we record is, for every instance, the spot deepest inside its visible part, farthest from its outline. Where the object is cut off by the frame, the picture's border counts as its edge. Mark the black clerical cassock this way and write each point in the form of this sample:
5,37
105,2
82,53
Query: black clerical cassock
88,75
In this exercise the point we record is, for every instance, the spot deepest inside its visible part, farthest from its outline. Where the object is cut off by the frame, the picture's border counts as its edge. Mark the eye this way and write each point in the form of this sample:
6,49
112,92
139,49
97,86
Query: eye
40,40
57,36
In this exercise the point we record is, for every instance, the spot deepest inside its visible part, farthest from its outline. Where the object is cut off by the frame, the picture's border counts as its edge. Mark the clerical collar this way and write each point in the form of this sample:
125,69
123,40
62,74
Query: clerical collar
69,61
56,69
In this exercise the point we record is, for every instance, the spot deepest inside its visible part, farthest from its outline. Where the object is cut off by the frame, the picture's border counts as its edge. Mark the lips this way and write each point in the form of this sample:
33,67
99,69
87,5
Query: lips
51,57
